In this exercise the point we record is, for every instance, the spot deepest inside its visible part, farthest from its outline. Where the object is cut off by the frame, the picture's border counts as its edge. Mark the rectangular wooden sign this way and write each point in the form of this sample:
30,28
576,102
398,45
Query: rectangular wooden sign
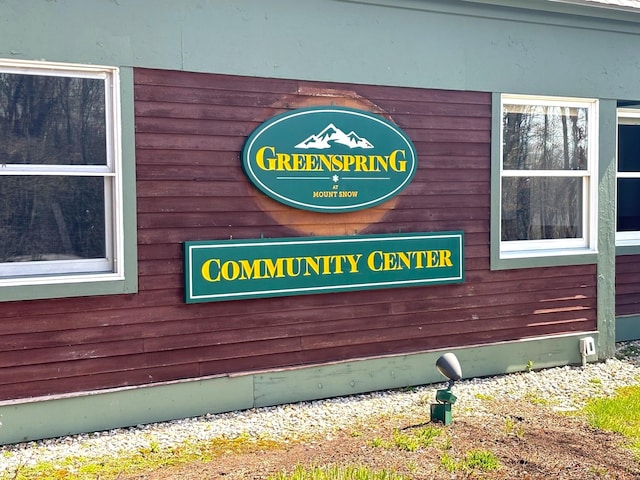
238,269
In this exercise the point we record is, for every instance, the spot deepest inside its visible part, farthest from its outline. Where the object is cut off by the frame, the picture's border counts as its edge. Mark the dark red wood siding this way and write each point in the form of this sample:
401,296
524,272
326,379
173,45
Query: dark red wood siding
628,285
190,129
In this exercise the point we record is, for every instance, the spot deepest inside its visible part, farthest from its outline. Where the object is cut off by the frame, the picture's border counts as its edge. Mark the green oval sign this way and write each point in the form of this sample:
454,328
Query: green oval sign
329,159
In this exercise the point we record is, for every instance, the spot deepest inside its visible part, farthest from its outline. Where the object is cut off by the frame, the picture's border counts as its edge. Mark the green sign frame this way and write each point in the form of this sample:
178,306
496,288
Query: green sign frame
242,269
329,159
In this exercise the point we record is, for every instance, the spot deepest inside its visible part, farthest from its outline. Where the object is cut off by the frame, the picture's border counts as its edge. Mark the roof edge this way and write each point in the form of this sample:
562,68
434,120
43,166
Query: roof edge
596,9
620,5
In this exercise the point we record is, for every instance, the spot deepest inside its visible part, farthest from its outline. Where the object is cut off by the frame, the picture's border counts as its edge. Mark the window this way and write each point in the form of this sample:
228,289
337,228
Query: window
548,159
628,178
60,174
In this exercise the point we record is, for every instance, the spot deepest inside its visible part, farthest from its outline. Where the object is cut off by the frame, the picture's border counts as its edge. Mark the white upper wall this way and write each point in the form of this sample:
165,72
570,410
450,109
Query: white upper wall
537,47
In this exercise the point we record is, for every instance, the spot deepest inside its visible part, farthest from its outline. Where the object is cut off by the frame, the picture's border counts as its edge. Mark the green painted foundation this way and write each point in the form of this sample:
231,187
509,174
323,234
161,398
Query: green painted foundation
94,411
627,328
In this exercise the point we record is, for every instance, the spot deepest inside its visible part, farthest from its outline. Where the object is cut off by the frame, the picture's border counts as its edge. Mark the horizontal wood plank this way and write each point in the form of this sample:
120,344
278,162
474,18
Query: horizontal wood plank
628,285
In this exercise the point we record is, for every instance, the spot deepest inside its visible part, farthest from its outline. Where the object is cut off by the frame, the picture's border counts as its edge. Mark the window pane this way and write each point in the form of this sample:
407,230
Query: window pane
541,208
52,120
628,204
540,137
51,218
629,148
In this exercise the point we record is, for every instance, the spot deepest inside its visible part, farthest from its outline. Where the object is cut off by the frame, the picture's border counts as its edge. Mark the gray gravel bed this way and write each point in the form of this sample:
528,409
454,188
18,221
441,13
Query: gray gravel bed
564,388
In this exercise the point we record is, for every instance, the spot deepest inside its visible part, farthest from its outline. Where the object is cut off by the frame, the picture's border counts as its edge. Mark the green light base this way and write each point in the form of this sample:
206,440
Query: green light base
441,412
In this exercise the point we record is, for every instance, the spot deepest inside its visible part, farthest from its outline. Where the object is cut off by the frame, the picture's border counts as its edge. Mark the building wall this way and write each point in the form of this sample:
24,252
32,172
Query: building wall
190,129
206,73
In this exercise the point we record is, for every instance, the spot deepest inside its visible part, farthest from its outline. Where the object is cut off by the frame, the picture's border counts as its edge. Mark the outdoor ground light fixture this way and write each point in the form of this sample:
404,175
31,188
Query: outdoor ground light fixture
449,366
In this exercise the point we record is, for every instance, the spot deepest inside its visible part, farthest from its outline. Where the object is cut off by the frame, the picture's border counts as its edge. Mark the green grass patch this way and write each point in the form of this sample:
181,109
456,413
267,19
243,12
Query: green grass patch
537,398
474,460
144,460
337,473
408,440
485,397
379,443
481,460
620,414
513,427
411,441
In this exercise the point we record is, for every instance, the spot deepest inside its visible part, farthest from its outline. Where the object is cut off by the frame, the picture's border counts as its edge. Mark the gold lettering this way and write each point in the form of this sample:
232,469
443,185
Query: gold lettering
206,270
353,262
284,162
432,258
250,270
445,258
312,263
326,162
326,261
274,269
361,163
348,194
290,271
379,261
269,160
337,162
216,270
312,163
373,261
298,161
230,270
379,162
337,264
322,194
349,161
260,158
404,259
389,262
397,165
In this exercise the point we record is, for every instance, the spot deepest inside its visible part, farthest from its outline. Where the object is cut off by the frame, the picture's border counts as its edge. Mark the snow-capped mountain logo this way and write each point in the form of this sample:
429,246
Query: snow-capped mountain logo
332,134
323,159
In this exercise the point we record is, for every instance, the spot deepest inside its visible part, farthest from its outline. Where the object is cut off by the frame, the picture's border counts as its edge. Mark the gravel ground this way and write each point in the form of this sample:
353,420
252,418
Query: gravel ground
565,388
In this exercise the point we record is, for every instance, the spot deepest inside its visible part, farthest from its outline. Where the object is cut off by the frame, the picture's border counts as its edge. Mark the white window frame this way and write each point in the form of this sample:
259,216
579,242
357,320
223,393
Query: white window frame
111,267
626,116
587,244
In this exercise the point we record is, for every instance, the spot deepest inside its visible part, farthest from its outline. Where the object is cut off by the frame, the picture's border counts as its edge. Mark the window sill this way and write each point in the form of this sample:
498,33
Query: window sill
627,248
33,288
543,258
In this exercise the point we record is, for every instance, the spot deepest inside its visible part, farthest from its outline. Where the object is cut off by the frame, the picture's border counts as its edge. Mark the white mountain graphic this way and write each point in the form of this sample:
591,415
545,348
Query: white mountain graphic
332,134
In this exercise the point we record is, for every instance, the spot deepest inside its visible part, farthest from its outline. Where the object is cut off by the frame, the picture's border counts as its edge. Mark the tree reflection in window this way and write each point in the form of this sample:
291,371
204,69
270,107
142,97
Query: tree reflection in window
57,213
544,160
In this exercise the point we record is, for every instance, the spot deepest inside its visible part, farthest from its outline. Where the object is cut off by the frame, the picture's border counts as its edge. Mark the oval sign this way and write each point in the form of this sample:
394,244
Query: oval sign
329,159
